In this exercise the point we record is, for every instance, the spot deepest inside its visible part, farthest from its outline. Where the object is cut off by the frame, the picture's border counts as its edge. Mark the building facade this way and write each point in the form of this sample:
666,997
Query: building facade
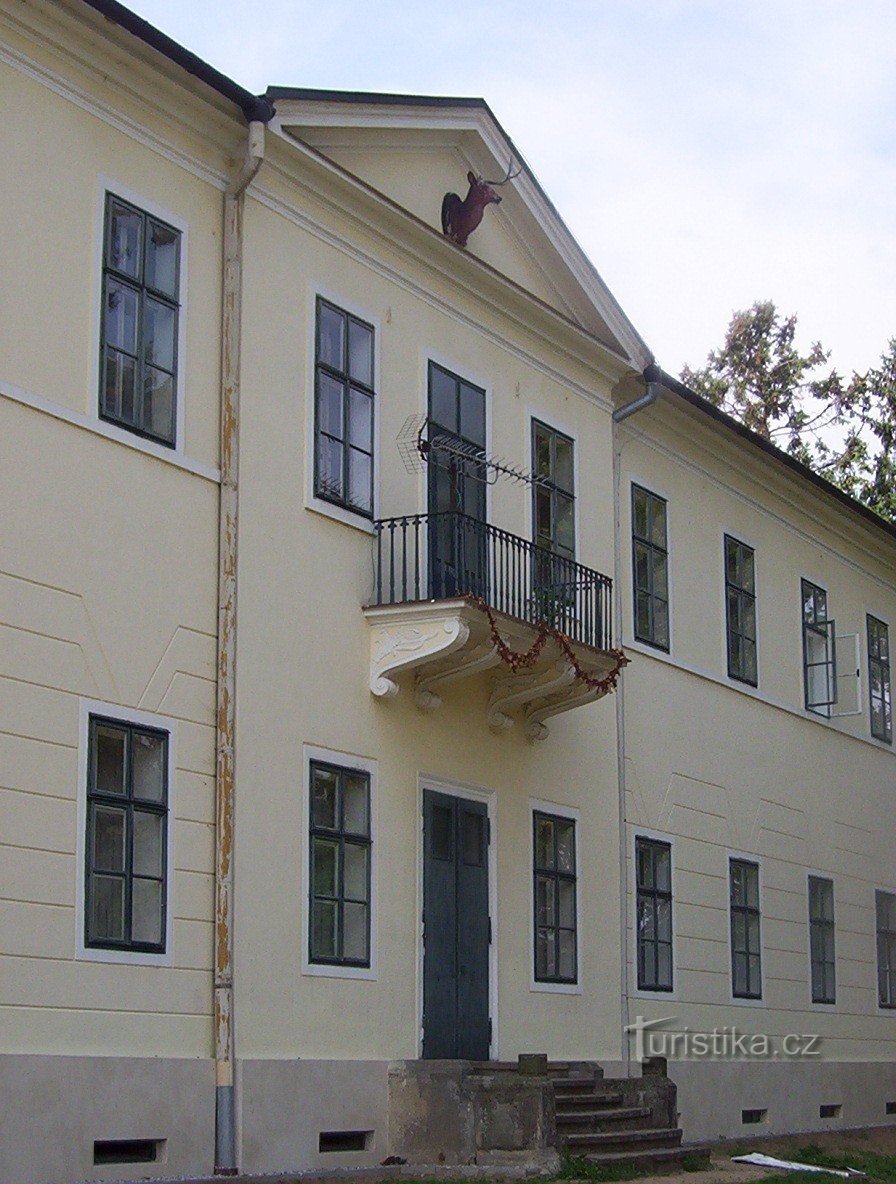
282,804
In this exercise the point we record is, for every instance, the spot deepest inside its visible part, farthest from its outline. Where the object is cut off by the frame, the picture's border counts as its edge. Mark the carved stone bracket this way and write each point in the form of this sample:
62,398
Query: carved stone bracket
428,686
520,689
399,646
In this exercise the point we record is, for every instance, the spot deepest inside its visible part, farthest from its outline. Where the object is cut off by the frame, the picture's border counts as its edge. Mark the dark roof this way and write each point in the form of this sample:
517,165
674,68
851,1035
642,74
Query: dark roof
318,94
252,106
790,462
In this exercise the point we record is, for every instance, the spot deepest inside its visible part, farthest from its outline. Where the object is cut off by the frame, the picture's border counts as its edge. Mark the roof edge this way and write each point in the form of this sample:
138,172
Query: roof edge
676,386
383,98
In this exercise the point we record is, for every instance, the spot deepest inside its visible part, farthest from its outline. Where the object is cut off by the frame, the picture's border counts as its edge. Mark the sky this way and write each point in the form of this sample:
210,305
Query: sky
705,153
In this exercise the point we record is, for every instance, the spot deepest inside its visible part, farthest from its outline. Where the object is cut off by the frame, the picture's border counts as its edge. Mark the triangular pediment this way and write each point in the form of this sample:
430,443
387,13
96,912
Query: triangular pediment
413,150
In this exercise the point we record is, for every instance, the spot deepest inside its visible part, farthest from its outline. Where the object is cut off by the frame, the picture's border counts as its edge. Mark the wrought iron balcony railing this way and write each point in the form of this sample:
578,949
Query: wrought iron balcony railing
438,556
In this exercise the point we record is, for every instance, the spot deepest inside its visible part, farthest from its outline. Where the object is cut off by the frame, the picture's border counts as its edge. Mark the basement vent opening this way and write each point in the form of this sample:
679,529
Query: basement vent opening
829,1111
109,1151
344,1140
748,1116
891,1108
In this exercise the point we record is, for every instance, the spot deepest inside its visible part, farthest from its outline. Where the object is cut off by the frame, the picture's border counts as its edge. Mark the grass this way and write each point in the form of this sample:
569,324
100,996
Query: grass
575,1168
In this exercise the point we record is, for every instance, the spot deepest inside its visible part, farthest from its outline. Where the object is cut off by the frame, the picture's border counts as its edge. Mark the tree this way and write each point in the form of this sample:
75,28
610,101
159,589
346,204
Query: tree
844,430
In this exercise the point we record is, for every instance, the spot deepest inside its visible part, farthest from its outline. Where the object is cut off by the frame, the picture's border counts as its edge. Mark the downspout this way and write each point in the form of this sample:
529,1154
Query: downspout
652,377
231,306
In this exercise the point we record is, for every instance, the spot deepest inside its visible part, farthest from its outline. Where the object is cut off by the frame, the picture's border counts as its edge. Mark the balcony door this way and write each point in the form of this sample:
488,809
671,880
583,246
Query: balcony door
456,1022
456,486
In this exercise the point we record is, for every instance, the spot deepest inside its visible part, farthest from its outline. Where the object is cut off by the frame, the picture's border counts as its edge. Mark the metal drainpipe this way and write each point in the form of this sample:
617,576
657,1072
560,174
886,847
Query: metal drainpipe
231,304
651,374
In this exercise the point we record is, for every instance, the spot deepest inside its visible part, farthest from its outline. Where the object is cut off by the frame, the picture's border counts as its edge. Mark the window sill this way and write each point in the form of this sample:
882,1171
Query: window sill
325,970
122,957
339,514
555,988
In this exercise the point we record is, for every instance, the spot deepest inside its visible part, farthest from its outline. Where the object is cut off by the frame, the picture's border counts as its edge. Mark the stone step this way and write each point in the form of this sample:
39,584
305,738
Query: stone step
585,1121
577,1084
630,1140
656,1159
594,1100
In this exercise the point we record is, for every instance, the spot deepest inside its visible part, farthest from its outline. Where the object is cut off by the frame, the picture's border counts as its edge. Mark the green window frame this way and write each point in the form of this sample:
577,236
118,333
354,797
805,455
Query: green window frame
822,954
650,568
140,321
879,692
340,862
746,937
819,651
126,866
740,611
554,898
344,369
653,865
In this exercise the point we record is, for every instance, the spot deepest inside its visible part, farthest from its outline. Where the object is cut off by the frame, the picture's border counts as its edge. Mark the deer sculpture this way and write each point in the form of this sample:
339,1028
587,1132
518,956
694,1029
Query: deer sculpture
460,218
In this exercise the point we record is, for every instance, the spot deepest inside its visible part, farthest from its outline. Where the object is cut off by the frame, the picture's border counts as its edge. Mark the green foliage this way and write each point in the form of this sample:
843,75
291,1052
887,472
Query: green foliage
844,430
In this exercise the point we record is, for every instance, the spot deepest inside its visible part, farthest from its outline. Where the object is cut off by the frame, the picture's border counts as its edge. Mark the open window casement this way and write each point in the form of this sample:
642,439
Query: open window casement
848,675
820,666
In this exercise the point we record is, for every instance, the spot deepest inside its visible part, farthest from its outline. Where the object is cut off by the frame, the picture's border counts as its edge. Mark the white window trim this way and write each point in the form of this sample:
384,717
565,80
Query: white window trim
650,486
822,1007
736,1000
889,1012
636,992
319,505
345,760
87,708
147,205
739,537
561,811
476,793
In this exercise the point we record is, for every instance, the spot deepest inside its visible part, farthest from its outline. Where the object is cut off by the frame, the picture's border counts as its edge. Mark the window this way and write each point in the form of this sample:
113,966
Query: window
343,401
553,497
141,286
650,561
746,967
740,611
879,680
339,933
885,904
654,871
819,652
127,834
821,939
555,899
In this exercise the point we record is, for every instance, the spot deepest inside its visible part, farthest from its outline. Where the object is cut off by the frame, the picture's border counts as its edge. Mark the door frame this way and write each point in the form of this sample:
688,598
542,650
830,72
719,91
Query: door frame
475,793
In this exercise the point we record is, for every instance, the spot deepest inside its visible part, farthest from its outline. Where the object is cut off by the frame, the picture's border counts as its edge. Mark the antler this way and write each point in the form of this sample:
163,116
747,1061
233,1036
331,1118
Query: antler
509,176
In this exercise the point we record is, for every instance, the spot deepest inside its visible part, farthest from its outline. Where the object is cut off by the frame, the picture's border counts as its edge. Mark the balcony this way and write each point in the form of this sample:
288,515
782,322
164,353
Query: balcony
455,597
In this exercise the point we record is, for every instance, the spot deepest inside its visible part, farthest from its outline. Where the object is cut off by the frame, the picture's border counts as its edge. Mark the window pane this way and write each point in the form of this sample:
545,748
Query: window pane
360,430
642,567
107,908
324,928
544,901
159,331
565,529
645,864
660,575
664,956
330,346
741,982
566,849
472,413
563,471
161,259
329,467
543,523
359,480
567,904
121,316
660,622
354,876
329,405
109,828
360,352
663,867
125,239
739,931
545,963
147,905
324,798
119,386
658,522
356,791
541,451
639,513
148,835
355,936
158,403
148,753
443,399
646,919
325,867
109,748
752,932
567,954
664,920
642,615
544,842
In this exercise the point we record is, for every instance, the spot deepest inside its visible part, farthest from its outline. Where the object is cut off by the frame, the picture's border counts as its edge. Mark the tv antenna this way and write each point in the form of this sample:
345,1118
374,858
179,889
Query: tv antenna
421,441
